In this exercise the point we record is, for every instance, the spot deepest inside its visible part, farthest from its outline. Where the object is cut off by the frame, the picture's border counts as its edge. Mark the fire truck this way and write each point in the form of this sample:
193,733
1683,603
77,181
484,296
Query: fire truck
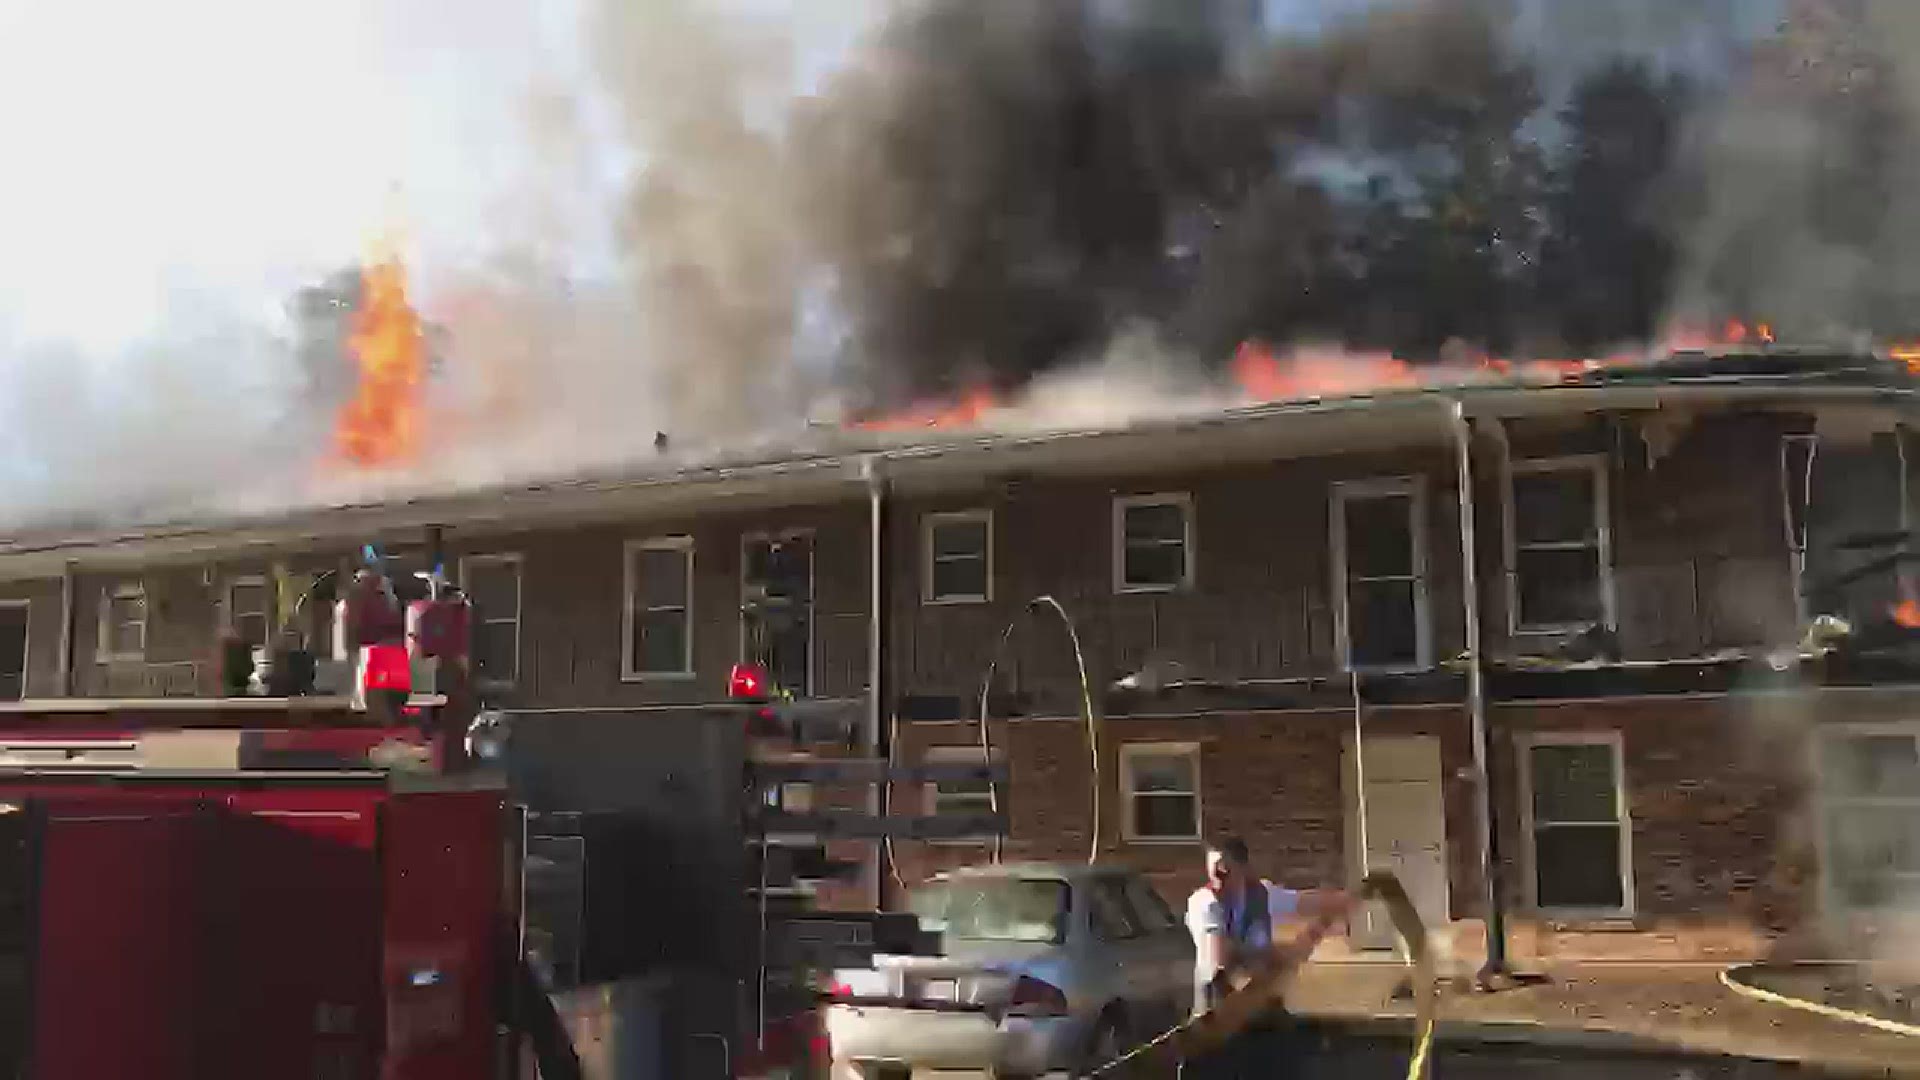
398,883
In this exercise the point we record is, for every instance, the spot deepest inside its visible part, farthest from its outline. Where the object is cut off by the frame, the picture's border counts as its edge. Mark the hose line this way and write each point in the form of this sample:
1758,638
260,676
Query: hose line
1086,713
1211,1029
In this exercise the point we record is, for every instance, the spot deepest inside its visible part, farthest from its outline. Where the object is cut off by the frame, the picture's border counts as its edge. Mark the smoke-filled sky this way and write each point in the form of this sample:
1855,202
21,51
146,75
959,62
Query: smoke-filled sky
718,211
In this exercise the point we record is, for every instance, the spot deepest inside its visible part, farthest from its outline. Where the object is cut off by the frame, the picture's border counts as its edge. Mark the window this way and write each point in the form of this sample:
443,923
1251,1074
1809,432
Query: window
1109,910
994,908
1870,814
13,649
657,638
962,797
776,608
1845,508
1152,543
1149,907
123,622
249,607
959,557
1559,574
1577,830
492,584
1160,783
1380,574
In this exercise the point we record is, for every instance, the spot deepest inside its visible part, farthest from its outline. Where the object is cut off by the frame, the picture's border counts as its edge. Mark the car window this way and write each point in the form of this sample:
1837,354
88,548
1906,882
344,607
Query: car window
1149,907
1111,915
994,909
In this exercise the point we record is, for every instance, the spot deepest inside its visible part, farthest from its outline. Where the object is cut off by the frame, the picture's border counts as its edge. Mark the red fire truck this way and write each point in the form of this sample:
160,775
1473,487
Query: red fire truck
334,888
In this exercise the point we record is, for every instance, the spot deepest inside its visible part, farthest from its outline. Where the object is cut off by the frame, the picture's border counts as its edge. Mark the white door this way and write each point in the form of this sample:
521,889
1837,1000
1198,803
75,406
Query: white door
1405,826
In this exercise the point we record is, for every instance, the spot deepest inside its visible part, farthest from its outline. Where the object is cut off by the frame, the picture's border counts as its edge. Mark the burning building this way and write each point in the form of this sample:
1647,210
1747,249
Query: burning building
1653,621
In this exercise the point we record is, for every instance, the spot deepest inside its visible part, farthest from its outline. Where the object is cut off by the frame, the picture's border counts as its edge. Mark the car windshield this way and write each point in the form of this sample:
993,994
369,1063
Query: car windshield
994,909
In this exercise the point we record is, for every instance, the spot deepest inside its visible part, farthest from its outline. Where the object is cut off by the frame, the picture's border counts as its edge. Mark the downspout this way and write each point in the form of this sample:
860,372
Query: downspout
879,796
67,615
1477,697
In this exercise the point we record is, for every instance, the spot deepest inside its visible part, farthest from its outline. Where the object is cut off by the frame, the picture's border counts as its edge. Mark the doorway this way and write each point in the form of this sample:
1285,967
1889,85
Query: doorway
1406,830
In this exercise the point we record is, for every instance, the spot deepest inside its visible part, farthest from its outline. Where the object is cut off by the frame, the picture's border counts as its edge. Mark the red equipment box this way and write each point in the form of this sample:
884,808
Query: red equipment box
344,924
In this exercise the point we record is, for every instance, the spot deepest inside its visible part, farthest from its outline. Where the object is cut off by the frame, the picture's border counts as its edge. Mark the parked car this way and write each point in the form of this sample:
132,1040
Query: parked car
1041,967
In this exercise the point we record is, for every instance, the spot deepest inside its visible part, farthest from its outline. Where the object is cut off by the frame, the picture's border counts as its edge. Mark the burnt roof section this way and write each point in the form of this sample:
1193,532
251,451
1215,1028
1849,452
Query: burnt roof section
826,451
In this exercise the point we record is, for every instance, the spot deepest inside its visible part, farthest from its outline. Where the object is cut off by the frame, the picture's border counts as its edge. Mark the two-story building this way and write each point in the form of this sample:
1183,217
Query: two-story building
1570,626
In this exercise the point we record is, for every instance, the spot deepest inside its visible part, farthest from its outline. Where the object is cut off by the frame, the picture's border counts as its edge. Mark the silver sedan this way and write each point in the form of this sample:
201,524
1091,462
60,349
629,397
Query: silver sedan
1043,967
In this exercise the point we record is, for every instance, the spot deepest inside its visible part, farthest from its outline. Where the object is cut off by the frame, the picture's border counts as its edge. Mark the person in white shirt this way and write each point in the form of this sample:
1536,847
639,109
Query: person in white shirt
1232,920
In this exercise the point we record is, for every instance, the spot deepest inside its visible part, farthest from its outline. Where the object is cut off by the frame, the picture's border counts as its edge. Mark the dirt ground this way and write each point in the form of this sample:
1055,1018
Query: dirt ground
1682,1006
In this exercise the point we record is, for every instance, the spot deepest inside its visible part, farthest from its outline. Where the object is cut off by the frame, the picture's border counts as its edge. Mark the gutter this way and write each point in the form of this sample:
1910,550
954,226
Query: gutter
1477,696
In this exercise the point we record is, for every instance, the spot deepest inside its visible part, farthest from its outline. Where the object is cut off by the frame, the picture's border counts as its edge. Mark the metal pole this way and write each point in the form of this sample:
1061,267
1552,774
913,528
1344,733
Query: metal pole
1477,697
879,796
67,614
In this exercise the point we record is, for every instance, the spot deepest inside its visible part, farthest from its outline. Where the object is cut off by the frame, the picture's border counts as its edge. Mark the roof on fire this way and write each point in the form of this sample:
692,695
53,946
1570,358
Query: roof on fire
833,464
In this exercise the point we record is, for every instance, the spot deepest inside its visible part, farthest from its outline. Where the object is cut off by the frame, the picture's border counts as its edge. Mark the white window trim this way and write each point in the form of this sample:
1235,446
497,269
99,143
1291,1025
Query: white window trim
813,593
1123,503
1129,751
1602,509
26,640
227,608
930,791
103,645
1524,744
1797,539
1833,906
628,580
500,558
931,522
1414,490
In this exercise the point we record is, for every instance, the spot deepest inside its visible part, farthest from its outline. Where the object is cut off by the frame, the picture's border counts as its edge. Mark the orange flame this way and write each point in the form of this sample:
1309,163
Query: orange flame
1906,613
969,410
1309,373
1908,353
380,424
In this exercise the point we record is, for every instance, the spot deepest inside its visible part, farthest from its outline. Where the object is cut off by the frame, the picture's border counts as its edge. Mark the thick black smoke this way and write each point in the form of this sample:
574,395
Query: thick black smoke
1001,186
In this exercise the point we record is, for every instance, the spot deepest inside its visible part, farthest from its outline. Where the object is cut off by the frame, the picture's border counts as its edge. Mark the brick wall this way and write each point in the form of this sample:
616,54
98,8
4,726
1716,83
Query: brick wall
1721,852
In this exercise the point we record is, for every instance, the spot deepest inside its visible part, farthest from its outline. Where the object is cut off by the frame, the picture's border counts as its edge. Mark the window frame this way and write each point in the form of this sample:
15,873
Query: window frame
1602,544
813,593
929,557
1832,898
1524,744
930,789
103,644
229,611
518,562
25,605
1132,750
629,578
1414,490
1118,553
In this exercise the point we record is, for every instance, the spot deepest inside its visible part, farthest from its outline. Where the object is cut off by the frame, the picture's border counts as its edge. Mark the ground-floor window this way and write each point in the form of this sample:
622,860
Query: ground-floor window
1577,834
1160,787
1870,810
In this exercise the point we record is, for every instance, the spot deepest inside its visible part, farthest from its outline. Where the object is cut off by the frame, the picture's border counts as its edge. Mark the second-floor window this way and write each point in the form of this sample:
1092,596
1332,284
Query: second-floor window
1152,543
776,608
492,584
1559,569
13,649
959,557
123,622
248,609
658,634
1380,570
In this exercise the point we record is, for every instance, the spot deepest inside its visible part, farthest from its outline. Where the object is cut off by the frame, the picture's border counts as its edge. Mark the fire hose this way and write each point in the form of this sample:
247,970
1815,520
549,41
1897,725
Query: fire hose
1259,997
